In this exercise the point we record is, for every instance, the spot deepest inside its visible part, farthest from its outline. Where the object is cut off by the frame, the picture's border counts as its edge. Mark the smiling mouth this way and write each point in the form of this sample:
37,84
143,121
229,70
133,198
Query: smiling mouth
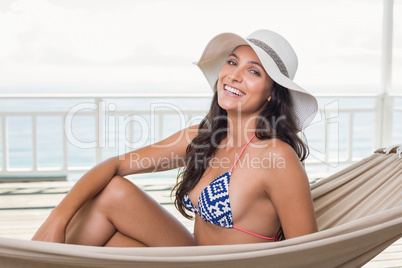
234,90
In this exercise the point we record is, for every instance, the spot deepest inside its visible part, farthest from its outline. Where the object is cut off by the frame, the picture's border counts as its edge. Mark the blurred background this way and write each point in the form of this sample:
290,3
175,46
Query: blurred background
80,79
76,46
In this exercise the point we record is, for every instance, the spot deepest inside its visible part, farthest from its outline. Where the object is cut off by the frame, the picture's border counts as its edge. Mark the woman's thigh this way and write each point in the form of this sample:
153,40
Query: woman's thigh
123,208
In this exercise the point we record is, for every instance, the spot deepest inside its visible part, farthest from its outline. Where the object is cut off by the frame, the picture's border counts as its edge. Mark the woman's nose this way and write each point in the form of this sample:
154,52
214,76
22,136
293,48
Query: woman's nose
236,75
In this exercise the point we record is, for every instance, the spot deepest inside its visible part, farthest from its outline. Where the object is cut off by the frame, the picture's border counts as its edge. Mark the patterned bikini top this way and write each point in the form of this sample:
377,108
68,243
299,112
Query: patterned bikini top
214,203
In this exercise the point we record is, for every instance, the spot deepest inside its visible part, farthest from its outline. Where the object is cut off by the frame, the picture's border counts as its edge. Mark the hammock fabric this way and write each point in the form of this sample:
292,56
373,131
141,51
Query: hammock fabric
359,213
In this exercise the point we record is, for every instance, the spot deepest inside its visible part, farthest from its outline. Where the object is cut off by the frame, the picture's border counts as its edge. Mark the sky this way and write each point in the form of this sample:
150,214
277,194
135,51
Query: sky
123,46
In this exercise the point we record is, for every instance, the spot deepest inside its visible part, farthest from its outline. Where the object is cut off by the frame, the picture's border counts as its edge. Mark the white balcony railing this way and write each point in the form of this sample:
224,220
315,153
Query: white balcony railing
48,135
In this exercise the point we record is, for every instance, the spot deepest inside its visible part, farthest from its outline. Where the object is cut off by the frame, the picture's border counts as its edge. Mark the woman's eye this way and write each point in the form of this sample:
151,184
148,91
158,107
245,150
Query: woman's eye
230,62
255,72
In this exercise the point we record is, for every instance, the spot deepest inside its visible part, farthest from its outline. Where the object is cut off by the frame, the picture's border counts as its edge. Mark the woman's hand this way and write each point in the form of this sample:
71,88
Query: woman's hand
52,230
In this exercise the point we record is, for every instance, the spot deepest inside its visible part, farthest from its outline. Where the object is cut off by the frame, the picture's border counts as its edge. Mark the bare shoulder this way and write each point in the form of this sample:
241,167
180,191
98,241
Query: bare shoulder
285,166
281,150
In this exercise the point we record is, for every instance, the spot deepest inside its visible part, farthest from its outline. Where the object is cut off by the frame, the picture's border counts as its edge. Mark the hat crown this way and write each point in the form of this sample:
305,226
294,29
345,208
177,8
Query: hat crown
281,47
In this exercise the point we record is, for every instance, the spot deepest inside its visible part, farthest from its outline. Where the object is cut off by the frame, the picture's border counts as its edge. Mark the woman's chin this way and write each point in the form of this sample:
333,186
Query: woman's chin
229,103
229,106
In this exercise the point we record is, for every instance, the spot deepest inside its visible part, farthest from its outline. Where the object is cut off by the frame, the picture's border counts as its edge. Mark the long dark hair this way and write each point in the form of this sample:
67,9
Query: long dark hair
275,121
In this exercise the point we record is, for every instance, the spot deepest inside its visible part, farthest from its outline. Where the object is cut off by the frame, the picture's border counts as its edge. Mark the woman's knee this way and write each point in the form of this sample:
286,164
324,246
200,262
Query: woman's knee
117,190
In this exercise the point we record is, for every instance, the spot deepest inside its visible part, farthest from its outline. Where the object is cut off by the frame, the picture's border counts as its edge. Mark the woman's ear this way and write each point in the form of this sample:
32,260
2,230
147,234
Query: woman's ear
269,98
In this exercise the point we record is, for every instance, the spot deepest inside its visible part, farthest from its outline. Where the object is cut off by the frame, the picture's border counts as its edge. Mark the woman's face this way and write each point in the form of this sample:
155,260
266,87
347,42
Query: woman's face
243,83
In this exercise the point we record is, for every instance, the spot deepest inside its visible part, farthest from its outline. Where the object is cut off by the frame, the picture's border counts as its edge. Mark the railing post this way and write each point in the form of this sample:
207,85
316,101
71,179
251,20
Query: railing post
4,143
350,136
384,121
99,128
65,145
35,161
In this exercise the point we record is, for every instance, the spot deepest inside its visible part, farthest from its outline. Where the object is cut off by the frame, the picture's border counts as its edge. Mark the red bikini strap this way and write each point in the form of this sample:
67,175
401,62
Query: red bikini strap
244,148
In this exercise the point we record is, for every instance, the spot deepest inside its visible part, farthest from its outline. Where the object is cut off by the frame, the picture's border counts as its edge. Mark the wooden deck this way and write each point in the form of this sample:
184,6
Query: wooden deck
24,206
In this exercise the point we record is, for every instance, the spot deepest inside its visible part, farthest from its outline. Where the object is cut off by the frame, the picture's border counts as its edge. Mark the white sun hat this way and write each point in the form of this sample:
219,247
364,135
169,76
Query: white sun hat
278,59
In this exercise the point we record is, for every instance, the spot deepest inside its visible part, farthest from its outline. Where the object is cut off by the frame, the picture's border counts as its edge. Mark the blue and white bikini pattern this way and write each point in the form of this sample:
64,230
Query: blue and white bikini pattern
213,203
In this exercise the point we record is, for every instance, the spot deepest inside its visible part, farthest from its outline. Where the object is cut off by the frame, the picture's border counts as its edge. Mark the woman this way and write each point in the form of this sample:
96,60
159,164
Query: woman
249,138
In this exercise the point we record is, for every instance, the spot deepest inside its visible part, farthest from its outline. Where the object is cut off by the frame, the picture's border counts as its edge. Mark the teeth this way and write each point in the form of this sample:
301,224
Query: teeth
234,91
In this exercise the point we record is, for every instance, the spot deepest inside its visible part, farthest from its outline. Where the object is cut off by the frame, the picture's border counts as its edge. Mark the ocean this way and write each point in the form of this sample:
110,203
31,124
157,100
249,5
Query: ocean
131,123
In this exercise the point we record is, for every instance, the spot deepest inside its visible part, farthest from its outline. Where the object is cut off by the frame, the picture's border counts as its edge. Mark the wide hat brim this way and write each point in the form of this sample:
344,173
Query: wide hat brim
220,47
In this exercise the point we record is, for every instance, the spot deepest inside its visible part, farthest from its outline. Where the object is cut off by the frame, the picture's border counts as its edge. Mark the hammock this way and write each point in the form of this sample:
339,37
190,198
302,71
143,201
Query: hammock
359,213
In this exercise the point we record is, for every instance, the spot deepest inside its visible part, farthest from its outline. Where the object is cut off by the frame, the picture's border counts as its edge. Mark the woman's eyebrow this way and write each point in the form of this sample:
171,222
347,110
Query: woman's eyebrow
234,55
253,62
256,63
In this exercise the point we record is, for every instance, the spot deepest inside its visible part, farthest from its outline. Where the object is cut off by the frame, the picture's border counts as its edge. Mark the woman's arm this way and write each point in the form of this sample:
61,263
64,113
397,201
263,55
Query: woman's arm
289,189
164,155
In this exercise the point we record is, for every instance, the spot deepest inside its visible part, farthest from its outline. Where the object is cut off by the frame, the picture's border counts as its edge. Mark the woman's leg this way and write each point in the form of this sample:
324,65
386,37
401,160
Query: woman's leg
124,215
120,240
